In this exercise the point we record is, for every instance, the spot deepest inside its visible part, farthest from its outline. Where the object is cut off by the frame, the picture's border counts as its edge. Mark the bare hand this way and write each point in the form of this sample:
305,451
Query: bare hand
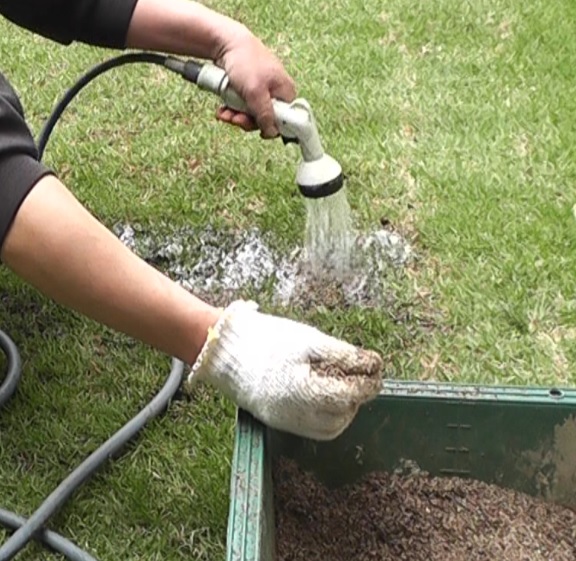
258,76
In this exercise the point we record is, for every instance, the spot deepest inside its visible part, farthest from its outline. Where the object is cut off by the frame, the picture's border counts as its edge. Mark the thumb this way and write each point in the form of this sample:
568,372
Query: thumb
355,371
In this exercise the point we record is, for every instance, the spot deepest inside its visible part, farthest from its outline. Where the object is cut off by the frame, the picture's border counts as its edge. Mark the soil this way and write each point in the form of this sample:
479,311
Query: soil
366,363
415,517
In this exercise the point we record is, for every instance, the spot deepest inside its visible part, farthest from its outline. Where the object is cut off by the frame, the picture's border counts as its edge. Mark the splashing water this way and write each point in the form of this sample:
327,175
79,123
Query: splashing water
329,236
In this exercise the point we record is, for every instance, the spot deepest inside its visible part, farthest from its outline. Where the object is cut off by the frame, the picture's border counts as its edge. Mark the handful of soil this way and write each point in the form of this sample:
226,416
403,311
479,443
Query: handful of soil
393,517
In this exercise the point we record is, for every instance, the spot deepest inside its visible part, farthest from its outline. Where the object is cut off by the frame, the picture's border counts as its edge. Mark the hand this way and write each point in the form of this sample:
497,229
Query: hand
257,75
290,376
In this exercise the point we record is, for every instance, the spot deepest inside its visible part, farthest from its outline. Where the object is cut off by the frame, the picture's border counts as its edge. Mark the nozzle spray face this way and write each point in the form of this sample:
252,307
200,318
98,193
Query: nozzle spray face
319,178
319,175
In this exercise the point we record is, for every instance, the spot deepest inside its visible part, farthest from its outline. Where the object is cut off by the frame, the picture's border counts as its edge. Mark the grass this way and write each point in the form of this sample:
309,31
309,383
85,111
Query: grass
454,120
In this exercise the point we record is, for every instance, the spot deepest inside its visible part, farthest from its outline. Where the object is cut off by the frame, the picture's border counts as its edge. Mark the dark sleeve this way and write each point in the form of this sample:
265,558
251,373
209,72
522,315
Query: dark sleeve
102,23
20,169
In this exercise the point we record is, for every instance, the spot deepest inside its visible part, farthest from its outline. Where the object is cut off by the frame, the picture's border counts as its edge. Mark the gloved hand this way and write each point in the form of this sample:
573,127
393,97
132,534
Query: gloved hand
289,375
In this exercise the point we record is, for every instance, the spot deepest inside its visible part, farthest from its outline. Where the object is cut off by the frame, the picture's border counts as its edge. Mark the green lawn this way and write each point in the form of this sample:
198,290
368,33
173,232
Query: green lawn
453,120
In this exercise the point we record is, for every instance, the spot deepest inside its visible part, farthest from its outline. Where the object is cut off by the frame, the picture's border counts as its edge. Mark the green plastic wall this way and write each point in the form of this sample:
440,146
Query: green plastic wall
521,438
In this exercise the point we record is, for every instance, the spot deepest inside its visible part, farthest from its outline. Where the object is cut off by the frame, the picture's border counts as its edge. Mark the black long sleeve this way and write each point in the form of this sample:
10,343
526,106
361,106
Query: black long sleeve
20,169
101,23
96,22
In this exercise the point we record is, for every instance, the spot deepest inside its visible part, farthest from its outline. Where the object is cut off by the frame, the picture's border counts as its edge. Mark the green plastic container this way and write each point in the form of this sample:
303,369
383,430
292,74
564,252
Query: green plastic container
520,438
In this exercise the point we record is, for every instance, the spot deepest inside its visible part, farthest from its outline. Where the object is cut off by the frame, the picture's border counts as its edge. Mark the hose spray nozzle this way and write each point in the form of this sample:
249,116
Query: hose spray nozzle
318,174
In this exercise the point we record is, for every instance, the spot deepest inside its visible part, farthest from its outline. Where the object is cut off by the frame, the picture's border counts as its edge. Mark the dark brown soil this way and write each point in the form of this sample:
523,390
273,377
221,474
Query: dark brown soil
366,363
416,517
320,291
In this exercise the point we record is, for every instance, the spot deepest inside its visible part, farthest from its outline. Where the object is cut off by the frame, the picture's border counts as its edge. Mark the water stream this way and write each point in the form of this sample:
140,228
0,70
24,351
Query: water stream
329,236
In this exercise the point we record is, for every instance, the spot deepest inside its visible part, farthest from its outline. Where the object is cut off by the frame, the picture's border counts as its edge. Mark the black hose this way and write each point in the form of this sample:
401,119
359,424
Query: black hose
13,368
121,60
51,539
33,528
88,467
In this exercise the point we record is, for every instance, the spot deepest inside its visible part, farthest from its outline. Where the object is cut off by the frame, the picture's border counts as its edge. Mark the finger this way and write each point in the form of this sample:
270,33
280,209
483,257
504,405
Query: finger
340,359
284,89
327,424
224,114
342,393
241,120
325,406
260,103
244,121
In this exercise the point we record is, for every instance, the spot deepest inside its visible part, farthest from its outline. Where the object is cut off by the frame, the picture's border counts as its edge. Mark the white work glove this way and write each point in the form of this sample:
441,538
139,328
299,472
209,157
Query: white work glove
290,376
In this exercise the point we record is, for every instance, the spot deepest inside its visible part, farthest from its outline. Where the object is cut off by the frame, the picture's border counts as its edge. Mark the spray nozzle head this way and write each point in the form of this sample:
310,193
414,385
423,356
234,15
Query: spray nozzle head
318,175
319,178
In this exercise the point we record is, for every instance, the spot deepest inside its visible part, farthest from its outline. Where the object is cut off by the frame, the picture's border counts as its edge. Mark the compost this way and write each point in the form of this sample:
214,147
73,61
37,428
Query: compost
415,517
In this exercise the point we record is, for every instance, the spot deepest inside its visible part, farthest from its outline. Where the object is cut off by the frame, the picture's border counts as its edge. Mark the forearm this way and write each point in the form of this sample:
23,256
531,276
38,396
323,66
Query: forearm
60,248
181,27
174,26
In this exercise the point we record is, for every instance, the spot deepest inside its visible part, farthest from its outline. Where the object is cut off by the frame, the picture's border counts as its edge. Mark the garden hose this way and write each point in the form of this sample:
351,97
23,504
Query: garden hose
33,528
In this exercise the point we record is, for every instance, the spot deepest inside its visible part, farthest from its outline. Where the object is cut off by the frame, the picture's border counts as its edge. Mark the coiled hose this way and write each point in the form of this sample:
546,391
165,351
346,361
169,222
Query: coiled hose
33,528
